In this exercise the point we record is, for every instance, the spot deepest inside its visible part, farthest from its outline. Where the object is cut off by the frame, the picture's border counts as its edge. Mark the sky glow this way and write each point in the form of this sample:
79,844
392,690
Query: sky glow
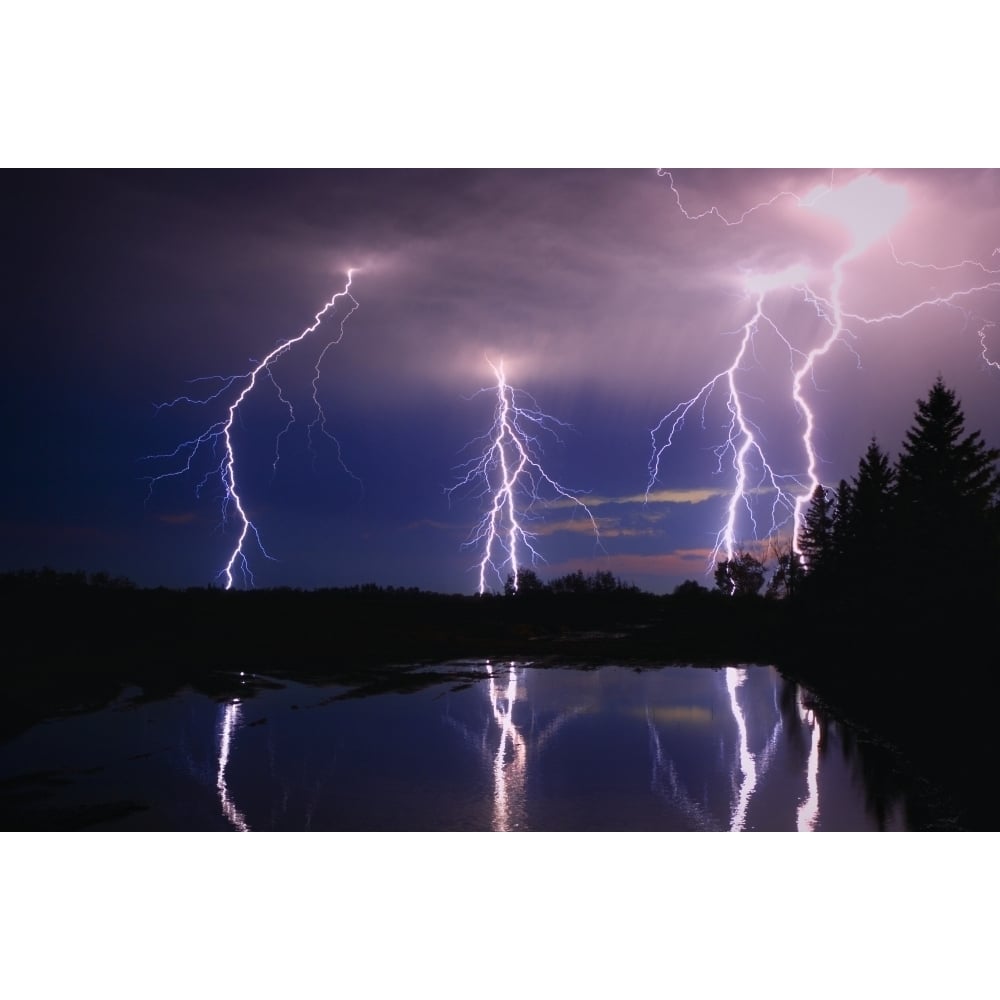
763,324
868,209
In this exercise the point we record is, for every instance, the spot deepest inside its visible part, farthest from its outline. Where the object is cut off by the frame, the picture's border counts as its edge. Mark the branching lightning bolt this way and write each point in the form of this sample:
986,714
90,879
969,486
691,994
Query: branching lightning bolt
513,483
868,208
218,436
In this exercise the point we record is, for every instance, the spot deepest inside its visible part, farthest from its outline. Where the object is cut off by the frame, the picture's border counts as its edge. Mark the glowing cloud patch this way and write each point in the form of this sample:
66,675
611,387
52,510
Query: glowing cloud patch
868,208
789,277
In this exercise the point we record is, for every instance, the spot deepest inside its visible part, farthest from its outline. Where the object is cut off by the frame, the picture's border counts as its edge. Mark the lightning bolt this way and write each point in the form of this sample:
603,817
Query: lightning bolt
218,436
512,482
985,349
868,208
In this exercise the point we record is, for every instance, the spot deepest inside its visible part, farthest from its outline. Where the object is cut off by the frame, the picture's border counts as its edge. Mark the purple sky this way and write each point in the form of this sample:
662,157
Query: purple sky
602,298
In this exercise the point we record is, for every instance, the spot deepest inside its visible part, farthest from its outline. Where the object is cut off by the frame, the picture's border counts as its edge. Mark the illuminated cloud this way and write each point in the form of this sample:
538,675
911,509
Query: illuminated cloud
691,496
867,207
661,496
608,528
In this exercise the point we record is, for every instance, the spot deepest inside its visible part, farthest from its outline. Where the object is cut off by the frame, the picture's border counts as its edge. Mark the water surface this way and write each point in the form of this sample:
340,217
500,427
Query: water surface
515,748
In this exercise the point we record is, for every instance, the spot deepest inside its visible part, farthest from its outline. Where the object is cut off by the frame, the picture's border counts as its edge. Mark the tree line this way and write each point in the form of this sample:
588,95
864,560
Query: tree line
921,531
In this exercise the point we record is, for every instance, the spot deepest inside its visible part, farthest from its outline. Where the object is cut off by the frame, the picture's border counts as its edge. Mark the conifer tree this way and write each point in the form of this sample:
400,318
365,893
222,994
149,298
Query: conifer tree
842,506
948,492
868,540
873,499
816,537
943,471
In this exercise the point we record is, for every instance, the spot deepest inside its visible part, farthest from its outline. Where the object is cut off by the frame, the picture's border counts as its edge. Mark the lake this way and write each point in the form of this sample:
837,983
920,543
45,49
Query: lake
497,746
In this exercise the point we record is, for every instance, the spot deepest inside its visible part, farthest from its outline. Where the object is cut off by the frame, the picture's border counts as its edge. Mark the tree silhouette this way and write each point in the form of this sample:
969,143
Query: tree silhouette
527,581
816,537
741,576
920,538
690,590
842,504
943,471
788,573
873,493
869,538
948,491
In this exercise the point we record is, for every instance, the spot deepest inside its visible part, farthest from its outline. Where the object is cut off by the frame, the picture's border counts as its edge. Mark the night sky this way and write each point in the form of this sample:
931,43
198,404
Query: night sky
603,295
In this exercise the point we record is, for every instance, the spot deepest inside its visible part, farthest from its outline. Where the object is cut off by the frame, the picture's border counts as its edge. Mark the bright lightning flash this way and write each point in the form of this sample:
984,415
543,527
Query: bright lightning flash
867,208
513,483
218,436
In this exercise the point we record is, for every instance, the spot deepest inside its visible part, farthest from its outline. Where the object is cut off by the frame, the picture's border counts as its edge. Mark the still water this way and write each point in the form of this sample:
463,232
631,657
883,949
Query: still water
514,748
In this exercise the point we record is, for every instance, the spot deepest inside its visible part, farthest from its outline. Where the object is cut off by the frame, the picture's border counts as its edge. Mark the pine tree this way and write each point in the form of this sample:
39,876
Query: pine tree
948,493
869,536
873,500
816,537
843,504
943,471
